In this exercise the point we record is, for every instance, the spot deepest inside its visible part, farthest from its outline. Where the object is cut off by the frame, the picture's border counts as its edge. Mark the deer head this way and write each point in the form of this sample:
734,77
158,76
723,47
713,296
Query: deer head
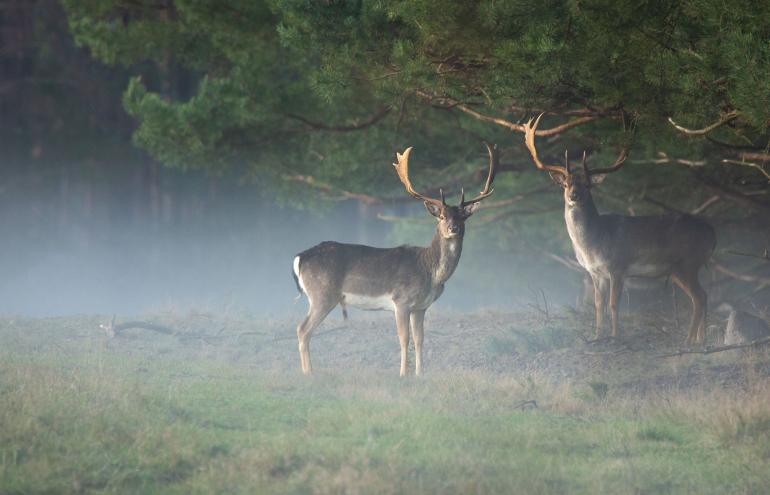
451,219
577,186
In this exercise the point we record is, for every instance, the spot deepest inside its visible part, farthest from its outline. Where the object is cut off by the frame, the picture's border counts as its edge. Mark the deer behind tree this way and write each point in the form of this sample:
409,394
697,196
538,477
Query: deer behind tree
613,247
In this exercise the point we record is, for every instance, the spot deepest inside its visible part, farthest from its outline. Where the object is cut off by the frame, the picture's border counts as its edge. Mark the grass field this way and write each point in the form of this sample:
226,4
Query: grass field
220,407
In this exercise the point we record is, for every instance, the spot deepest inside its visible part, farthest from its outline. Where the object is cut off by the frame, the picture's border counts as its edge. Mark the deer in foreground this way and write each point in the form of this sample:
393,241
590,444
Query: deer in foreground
613,247
404,279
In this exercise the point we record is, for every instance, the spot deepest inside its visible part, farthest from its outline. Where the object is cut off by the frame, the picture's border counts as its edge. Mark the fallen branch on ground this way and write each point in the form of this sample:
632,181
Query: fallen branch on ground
711,350
112,329
525,403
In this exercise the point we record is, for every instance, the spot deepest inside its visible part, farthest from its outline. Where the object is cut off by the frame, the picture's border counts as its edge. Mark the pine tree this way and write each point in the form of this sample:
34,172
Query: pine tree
322,93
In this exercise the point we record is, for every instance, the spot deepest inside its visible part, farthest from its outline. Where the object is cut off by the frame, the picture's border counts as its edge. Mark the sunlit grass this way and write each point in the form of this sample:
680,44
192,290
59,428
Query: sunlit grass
95,419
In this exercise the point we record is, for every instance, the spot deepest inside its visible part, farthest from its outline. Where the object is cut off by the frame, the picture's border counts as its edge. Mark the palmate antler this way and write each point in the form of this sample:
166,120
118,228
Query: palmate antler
529,140
402,168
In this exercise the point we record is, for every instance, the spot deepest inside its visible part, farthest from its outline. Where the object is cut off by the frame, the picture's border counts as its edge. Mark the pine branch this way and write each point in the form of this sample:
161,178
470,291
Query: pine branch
340,194
754,279
664,159
450,103
515,199
732,195
342,128
706,204
749,164
724,119
764,256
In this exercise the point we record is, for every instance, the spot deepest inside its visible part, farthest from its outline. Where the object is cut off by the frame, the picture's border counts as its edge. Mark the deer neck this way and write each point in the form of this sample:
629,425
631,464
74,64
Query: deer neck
582,220
442,257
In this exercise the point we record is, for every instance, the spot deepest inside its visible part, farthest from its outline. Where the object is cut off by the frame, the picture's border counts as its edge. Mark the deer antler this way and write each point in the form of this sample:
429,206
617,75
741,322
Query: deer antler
619,161
488,189
529,140
402,168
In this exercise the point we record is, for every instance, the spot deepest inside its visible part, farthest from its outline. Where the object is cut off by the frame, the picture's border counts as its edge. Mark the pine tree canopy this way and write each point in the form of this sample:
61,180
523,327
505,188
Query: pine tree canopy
323,93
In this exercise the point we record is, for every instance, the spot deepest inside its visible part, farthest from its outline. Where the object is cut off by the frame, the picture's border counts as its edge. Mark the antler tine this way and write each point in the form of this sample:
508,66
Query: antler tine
584,164
488,189
566,162
621,159
529,139
402,169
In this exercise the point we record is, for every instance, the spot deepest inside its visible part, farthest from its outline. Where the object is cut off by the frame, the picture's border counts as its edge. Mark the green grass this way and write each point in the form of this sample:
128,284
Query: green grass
93,418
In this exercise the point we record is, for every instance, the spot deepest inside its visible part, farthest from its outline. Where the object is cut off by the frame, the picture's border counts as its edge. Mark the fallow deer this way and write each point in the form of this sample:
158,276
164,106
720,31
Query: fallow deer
613,247
404,279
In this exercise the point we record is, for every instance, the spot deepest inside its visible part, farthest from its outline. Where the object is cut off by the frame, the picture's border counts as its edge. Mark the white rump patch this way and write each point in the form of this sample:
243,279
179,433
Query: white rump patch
359,301
299,277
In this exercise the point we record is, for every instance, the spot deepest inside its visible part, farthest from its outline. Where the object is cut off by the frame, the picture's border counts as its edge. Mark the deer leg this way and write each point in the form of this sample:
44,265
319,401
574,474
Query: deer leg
616,289
344,309
690,285
599,289
315,316
416,319
402,325
699,310
703,312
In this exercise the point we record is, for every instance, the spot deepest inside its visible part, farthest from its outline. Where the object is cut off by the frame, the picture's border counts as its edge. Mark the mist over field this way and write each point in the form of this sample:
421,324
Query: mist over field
229,249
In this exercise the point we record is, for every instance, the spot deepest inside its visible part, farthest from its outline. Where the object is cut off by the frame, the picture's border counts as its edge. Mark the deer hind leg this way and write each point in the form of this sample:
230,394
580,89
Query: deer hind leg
315,316
600,287
616,289
416,319
689,283
344,308
402,325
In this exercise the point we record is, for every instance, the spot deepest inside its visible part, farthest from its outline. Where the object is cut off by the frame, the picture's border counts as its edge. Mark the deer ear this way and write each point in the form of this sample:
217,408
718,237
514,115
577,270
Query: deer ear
558,178
469,209
433,209
598,179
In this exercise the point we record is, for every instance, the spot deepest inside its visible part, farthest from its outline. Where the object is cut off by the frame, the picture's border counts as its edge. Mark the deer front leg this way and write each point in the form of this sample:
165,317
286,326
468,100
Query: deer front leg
416,319
616,289
600,286
402,325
